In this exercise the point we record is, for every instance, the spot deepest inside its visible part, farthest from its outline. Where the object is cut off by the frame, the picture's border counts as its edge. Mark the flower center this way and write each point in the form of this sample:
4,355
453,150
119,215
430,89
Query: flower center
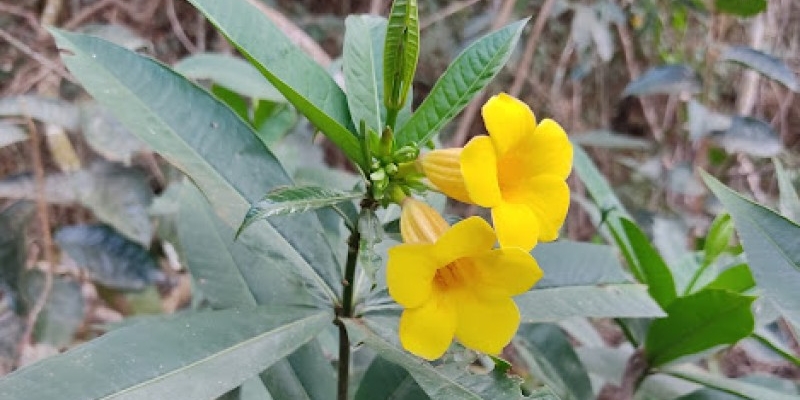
454,275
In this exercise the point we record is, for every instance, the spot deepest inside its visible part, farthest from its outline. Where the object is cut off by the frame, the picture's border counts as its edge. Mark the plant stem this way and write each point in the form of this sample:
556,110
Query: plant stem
626,332
344,362
779,351
695,277
350,272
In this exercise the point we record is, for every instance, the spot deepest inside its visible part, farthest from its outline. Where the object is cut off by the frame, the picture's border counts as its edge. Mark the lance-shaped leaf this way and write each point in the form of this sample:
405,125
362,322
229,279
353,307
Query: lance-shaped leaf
207,141
597,301
698,322
400,53
386,380
230,72
772,245
304,83
771,67
229,274
469,73
742,8
665,79
363,69
293,200
648,266
198,355
742,389
750,135
444,382
789,201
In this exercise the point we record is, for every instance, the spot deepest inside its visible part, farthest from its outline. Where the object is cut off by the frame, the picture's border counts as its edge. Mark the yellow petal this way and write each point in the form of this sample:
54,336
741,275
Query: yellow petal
548,197
420,223
443,169
508,120
409,273
546,152
466,238
427,331
505,273
516,225
479,168
486,326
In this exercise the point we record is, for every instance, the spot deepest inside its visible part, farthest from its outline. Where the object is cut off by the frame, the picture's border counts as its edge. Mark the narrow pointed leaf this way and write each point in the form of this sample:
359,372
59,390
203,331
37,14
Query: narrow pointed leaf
567,263
652,268
789,200
229,274
742,8
737,279
230,72
698,322
400,52
469,73
199,355
746,390
772,245
304,83
598,301
293,200
750,135
386,380
207,141
444,382
771,67
363,70
665,79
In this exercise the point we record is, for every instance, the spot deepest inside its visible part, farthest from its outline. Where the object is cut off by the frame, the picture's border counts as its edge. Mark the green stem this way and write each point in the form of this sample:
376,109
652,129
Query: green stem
695,277
779,351
344,361
627,332
391,117
350,272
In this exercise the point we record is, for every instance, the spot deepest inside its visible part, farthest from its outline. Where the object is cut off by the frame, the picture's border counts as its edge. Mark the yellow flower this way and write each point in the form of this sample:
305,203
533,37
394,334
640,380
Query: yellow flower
519,171
452,283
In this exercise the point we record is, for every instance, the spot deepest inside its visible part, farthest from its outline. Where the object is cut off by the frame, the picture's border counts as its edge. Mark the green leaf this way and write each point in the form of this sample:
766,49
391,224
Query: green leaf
197,355
386,380
363,70
772,67
400,53
605,139
107,136
750,135
554,361
62,313
772,245
109,258
741,8
695,374
185,124
14,221
699,322
229,274
469,73
737,279
229,72
719,237
600,301
665,79
54,111
301,81
444,382
648,265
567,263
293,200
788,199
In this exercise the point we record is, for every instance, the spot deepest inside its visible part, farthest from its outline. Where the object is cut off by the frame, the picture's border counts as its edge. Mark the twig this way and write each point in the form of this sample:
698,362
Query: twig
468,115
21,12
634,72
200,32
177,29
635,372
451,9
139,15
749,89
44,226
50,65
86,13
50,13
530,47
376,7
295,34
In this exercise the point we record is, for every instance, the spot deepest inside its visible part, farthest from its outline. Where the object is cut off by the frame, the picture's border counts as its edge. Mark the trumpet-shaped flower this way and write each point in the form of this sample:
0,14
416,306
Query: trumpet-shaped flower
519,171
452,283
